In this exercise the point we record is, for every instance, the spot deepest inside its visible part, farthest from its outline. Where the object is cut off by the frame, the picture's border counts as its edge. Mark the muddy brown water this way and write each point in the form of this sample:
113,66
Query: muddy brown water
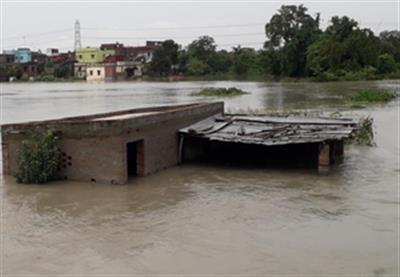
202,219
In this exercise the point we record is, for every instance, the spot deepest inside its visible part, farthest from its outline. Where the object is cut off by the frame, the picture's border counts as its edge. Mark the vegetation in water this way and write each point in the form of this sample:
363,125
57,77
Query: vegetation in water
365,132
220,92
372,95
38,159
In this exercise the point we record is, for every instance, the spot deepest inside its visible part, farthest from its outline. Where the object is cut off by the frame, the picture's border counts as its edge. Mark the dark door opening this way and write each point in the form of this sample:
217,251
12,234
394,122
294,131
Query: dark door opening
131,158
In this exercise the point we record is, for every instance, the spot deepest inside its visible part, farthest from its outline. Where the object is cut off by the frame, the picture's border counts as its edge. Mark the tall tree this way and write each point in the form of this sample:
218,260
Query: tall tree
245,61
202,48
220,61
343,47
199,53
291,31
341,27
164,57
390,43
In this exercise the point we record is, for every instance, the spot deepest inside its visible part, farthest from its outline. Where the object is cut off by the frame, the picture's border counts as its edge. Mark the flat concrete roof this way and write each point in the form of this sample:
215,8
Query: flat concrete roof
111,123
124,116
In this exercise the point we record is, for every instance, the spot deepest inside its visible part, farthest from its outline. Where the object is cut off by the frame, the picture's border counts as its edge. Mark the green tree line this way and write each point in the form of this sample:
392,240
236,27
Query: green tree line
295,47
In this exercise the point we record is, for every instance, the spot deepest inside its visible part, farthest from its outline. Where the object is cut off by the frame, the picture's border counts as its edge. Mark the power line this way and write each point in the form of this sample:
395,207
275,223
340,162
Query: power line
38,34
175,28
175,37
138,38
37,42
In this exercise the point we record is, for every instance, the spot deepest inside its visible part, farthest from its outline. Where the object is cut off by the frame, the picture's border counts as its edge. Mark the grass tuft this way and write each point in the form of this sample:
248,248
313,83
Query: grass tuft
372,96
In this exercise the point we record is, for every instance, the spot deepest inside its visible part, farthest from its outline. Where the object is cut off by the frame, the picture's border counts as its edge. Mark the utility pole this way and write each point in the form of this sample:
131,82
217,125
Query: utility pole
78,43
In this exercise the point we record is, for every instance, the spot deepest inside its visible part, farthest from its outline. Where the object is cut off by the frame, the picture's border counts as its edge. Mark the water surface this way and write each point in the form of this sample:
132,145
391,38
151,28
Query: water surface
199,219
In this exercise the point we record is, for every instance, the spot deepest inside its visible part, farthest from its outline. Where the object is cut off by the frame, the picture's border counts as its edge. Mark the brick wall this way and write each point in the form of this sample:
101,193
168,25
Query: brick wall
94,151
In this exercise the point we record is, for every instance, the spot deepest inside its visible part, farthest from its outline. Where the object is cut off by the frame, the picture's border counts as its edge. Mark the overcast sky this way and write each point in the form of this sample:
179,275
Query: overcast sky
51,24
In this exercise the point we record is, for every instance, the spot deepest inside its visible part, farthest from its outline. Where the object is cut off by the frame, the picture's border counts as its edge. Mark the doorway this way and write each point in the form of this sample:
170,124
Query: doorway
135,158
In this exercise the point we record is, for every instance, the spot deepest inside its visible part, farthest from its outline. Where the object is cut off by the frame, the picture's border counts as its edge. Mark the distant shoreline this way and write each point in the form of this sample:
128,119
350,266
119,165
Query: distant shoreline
213,78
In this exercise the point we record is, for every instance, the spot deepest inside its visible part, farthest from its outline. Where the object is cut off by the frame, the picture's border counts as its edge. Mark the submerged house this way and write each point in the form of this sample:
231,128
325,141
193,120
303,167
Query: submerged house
111,147
268,141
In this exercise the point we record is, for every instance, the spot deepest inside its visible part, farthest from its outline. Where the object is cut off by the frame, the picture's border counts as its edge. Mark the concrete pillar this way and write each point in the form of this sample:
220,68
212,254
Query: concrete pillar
324,157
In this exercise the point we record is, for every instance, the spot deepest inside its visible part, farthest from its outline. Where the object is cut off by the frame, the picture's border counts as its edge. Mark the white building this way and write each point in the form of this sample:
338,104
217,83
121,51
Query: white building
95,73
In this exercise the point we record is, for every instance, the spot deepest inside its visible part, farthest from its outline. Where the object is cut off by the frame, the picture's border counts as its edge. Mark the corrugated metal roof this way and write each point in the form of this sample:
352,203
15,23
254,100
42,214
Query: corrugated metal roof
271,130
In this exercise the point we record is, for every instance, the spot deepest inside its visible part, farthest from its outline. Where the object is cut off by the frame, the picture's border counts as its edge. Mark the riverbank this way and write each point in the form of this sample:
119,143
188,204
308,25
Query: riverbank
351,76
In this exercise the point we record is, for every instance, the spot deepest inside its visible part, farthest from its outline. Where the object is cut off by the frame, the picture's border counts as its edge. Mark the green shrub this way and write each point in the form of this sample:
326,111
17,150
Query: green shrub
38,159
386,64
46,78
371,95
365,132
220,92
24,78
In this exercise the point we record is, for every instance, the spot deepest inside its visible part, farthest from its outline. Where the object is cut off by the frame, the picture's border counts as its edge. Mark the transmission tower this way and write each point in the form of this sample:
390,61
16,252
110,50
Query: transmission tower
78,43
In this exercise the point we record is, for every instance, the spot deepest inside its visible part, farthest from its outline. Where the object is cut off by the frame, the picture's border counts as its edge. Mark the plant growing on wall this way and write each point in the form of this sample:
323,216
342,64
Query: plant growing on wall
38,159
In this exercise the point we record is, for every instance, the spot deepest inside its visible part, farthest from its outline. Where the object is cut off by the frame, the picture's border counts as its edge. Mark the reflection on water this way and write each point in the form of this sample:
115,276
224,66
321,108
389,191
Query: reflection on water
206,219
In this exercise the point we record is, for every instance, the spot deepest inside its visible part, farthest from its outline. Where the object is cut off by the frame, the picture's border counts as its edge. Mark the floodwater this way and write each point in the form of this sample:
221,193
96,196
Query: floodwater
203,219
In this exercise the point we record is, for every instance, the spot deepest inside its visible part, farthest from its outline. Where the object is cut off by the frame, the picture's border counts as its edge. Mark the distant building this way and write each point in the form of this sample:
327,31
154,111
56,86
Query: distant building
142,53
80,70
31,69
118,48
7,58
95,72
92,55
51,51
22,55
62,57
123,70
61,65
38,57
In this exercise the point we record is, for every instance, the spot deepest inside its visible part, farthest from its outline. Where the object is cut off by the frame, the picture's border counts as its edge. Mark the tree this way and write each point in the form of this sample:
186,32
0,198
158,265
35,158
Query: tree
269,62
390,43
202,48
343,47
292,30
341,27
63,70
244,61
386,64
165,56
197,67
10,70
220,62
201,53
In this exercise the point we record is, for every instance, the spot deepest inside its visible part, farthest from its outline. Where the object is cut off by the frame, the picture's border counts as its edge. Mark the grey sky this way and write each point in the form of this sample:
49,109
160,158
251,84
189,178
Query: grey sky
31,24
